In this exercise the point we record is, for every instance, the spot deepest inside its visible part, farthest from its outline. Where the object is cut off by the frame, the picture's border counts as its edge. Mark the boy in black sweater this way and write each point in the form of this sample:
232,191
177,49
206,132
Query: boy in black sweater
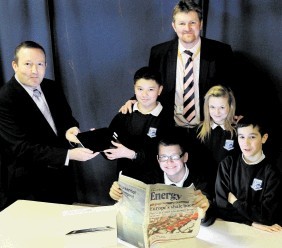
138,132
248,187
173,170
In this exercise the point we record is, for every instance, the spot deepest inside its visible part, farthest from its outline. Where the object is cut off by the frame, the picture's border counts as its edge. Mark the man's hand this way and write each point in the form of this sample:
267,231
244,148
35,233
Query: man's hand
72,133
273,228
127,107
115,191
81,154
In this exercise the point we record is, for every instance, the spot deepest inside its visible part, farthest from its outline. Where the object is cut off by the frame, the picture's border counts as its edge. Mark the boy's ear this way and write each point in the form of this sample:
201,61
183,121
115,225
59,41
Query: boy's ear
264,138
160,90
185,157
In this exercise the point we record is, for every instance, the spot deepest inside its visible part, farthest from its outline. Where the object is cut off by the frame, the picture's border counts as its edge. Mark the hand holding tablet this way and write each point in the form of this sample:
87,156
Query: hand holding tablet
97,140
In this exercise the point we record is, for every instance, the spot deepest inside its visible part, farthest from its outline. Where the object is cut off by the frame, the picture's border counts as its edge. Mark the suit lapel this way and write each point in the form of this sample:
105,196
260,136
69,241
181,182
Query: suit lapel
204,64
171,65
28,108
23,98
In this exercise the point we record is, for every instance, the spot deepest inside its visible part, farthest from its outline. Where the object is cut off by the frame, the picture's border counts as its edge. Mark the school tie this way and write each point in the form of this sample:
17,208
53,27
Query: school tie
43,108
189,92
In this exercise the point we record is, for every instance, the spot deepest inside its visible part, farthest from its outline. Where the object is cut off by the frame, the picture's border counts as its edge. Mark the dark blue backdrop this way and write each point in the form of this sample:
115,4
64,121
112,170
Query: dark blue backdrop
94,48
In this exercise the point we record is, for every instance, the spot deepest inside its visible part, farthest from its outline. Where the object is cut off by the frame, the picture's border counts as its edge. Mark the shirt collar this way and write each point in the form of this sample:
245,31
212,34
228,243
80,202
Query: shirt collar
155,112
194,49
214,125
28,89
181,182
262,157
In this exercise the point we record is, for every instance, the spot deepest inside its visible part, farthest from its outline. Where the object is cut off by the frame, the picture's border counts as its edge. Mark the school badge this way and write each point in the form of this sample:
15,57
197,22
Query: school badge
229,145
256,185
152,133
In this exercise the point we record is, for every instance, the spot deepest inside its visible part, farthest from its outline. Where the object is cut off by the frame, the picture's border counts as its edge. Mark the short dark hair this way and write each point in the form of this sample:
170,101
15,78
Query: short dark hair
187,6
174,137
148,73
255,121
27,44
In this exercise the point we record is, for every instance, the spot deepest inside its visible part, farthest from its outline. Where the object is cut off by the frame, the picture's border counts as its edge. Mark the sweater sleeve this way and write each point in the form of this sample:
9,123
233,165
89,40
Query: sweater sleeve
265,210
222,184
224,209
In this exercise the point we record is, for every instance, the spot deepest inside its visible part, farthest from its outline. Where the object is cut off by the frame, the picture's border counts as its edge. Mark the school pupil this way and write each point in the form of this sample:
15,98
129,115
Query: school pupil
174,169
248,186
138,132
217,132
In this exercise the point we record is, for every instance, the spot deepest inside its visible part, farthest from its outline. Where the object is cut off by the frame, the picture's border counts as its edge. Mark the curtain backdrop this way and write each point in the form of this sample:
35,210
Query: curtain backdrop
95,46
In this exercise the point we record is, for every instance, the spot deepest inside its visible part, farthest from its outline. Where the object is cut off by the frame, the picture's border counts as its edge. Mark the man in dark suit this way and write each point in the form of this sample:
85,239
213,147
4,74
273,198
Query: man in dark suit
34,152
212,63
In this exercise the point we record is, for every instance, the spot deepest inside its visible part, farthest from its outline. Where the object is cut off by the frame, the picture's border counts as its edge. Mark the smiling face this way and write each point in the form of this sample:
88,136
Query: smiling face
174,169
218,109
147,92
250,142
30,66
187,26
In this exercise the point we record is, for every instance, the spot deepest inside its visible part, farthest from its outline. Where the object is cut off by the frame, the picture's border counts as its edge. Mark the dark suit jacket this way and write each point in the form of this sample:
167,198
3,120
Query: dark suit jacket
33,156
216,64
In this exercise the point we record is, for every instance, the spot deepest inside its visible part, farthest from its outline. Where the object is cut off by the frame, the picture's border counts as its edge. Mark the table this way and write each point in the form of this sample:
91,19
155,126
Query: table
223,234
30,224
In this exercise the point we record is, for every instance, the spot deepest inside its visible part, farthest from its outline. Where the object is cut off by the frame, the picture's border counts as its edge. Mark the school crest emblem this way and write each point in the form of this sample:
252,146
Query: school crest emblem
152,133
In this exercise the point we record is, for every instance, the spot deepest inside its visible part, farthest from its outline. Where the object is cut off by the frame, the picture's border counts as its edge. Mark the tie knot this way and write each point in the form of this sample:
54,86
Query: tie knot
189,53
36,93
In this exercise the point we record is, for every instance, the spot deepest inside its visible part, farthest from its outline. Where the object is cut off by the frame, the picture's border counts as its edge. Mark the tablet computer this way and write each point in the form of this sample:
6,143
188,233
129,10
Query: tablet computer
95,229
97,140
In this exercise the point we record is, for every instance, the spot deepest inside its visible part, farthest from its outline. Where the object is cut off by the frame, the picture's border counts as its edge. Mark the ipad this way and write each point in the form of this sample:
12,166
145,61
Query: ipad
97,140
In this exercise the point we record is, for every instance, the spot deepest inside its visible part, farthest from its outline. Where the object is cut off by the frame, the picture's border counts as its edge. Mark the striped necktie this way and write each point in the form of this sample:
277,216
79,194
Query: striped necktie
43,108
189,92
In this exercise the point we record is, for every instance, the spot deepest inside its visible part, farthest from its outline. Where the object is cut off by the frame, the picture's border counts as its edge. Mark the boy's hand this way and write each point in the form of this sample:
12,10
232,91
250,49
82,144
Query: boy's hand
201,201
115,191
273,228
231,198
119,152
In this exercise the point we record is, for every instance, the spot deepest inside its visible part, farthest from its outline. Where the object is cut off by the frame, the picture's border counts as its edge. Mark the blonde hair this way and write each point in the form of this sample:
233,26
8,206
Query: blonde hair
205,125
185,6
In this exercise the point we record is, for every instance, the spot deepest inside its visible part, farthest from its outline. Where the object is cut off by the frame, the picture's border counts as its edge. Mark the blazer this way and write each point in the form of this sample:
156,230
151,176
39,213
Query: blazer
33,156
216,65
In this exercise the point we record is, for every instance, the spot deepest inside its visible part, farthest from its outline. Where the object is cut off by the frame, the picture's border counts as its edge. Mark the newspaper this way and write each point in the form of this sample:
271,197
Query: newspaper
152,213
